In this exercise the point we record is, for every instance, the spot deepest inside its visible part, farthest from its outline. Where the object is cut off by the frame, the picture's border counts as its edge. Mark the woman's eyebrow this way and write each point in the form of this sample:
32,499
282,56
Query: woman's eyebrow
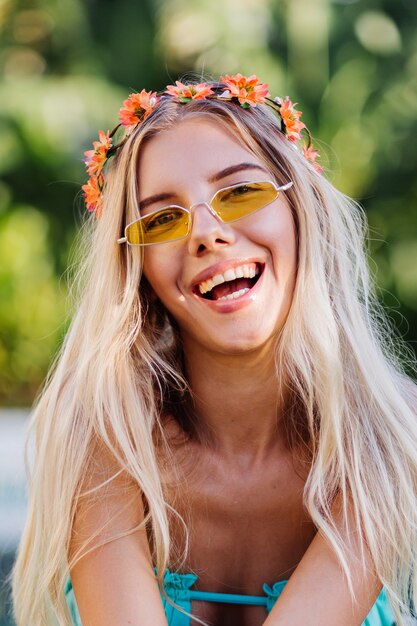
158,197
232,169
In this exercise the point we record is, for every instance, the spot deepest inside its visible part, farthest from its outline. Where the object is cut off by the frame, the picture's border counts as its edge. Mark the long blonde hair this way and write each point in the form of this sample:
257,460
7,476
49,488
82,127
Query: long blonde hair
343,363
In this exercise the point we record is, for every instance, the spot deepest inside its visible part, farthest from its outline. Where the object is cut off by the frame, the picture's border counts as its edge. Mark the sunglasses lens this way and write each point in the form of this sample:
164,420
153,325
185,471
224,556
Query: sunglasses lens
240,200
165,225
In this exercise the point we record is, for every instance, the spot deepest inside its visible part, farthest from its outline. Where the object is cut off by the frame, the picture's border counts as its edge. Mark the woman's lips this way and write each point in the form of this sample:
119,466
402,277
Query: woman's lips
234,278
228,305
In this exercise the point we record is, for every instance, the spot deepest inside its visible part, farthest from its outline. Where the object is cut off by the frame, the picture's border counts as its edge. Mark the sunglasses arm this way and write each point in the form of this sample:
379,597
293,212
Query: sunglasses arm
121,240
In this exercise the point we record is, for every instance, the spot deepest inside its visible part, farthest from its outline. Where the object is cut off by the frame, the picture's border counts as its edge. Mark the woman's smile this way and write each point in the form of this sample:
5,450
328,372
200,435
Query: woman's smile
229,285
228,279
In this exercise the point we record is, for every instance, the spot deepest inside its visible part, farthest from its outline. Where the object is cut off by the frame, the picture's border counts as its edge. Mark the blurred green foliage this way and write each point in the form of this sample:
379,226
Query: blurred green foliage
66,66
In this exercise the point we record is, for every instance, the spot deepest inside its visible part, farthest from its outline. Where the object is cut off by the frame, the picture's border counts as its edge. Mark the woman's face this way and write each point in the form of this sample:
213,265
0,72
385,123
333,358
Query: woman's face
188,164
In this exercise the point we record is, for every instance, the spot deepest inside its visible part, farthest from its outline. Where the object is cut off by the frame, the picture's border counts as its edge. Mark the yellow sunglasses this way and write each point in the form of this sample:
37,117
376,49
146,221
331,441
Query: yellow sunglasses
173,222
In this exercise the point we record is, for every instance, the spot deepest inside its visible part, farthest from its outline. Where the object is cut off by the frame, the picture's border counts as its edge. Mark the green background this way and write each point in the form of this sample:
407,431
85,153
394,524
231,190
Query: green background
67,65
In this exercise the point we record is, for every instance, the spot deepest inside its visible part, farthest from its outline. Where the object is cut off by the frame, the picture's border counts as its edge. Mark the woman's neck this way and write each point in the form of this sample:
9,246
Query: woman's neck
238,399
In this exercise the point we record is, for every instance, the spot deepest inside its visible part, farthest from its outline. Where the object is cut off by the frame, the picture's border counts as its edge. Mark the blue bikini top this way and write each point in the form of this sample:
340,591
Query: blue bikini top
178,588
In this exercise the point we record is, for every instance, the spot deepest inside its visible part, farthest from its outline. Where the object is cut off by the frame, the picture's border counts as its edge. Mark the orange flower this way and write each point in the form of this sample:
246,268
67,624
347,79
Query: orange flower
291,118
189,92
249,91
311,155
93,194
96,158
137,107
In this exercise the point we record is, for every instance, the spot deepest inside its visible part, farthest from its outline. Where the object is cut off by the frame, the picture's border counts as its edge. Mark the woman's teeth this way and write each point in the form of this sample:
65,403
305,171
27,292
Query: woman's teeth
235,294
249,270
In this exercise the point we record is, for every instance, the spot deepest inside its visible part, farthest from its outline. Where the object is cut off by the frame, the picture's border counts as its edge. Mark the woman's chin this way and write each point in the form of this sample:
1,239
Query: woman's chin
237,343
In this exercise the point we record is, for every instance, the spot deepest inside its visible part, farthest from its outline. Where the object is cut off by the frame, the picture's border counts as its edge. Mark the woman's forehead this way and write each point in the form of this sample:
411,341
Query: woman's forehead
193,149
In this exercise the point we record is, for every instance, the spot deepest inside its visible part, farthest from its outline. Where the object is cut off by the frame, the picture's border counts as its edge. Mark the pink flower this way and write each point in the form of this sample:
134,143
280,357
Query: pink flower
249,91
93,194
96,158
291,118
311,155
137,107
189,92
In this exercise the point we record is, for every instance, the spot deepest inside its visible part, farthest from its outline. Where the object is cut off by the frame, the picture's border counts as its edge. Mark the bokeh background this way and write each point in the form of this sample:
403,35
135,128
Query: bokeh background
66,66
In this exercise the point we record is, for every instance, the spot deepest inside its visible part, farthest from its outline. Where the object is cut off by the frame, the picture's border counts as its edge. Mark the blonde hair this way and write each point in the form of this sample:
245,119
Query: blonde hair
341,360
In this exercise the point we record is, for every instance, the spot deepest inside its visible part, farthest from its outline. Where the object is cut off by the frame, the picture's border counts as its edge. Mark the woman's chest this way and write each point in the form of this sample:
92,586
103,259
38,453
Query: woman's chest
244,529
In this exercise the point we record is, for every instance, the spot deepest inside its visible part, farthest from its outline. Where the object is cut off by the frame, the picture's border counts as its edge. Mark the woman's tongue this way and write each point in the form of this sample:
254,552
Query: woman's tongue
230,287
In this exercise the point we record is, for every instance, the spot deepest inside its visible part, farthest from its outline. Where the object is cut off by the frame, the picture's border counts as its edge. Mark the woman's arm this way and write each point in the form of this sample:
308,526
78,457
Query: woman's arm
317,593
114,585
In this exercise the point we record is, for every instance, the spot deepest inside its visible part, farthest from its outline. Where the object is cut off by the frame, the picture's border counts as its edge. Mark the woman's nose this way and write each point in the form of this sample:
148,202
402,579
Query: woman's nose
208,231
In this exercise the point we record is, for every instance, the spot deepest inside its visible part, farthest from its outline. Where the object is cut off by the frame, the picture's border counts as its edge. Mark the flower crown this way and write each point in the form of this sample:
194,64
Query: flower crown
245,91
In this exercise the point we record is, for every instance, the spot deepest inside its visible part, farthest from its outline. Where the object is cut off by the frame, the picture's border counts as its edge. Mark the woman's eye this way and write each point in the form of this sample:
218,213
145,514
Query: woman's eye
238,192
164,218
241,190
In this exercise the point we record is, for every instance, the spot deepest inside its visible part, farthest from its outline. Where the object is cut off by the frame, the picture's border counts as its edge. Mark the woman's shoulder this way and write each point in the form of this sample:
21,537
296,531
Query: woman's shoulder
106,489
109,545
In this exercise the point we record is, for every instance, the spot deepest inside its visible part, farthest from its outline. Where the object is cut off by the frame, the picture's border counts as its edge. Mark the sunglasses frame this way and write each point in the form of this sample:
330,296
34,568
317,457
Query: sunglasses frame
277,188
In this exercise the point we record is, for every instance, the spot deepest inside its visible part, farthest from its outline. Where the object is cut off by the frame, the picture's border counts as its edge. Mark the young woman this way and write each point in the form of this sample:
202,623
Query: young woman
228,436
